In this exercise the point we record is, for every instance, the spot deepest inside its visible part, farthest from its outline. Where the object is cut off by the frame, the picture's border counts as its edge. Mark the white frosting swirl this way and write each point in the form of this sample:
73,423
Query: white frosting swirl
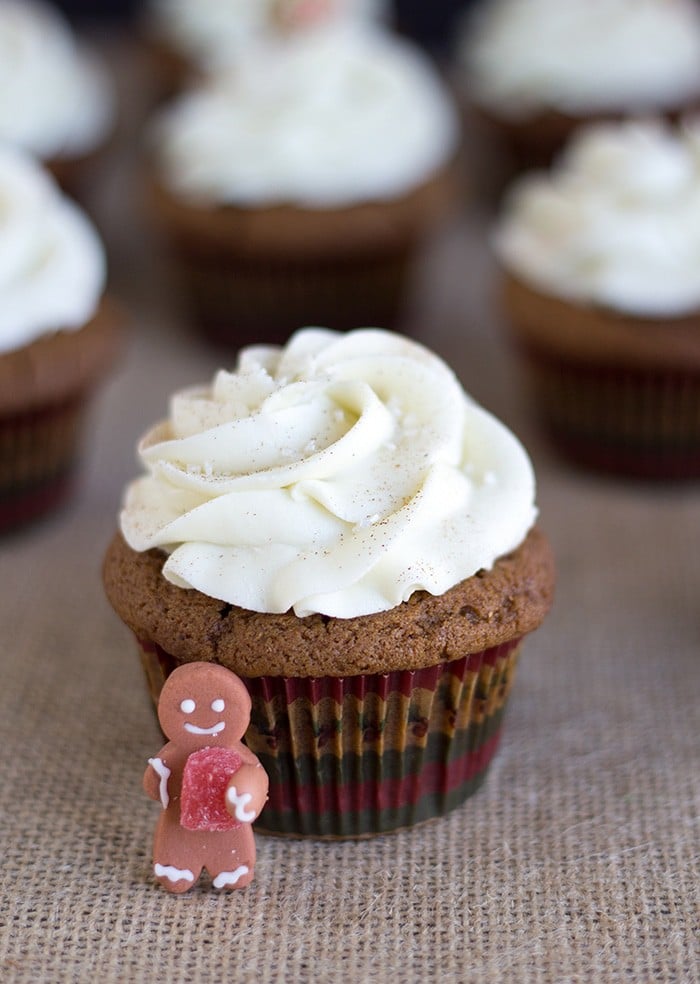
583,56
323,118
337,475
616,222
55,99
52,264
213,33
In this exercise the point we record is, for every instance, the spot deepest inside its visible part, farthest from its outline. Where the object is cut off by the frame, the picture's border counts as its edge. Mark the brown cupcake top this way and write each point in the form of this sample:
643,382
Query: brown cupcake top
484,610
61,364
595,334
292,231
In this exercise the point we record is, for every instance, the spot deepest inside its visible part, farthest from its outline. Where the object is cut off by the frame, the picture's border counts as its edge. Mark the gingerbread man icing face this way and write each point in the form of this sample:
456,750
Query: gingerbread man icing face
210,785
204,706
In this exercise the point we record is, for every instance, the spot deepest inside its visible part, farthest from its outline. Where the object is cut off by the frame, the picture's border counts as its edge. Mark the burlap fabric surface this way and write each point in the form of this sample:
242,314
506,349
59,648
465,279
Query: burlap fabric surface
578,859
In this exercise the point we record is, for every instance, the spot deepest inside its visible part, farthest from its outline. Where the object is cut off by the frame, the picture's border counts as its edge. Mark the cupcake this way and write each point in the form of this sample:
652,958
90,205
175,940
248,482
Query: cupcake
56,101
298,189
338,523
57,337
534,70
601,263
193,40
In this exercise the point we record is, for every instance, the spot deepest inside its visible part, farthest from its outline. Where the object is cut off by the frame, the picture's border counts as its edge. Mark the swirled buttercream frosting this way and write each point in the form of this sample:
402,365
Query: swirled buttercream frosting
583,56
55,98
323,118
338,475
52,263
616,222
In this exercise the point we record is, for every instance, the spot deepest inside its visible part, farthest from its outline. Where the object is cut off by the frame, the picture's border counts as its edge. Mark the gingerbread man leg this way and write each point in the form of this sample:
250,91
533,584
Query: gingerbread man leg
230,857
177,860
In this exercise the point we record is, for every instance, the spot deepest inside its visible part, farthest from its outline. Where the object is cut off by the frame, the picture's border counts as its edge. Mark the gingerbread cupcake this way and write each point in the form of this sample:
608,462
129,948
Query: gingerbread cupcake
601,263
535,70
57,337
338,523
299,189
57,100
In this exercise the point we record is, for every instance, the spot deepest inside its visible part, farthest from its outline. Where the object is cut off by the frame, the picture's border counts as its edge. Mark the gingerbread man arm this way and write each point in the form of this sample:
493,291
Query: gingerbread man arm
248,757
155,779
247,792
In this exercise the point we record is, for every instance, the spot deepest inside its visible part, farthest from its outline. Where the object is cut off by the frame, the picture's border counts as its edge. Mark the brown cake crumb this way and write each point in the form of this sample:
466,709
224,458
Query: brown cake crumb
482,611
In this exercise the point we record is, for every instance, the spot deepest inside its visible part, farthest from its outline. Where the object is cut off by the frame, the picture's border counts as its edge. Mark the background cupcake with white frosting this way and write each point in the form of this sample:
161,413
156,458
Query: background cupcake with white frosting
602,290
189,39
57,337
298,188
340,524
536,69
56,98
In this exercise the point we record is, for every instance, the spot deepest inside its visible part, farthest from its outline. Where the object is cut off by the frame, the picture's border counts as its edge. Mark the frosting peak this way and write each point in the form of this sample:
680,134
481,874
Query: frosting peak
55,98
322,118
337,475
52,264
583,56
214,33
616,222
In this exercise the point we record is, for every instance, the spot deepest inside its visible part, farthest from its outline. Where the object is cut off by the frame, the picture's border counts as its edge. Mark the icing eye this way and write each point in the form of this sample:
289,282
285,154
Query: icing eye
218,704
187,705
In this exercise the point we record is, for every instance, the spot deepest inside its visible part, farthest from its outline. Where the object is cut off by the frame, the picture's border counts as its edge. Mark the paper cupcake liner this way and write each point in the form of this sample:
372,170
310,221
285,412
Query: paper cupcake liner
362,755
236,301
636,421
38,460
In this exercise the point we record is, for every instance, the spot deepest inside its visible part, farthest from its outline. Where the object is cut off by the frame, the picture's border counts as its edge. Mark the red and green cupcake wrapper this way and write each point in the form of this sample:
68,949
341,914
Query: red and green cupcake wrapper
362,755
38,460
635,421
237,300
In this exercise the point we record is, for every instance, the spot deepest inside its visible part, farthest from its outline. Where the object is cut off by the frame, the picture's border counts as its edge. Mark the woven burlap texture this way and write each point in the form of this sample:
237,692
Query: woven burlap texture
577,861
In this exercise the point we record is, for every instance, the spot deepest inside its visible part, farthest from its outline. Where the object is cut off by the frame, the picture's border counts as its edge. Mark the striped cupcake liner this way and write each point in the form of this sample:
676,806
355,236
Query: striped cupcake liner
639,422
361,755
236,300
38,460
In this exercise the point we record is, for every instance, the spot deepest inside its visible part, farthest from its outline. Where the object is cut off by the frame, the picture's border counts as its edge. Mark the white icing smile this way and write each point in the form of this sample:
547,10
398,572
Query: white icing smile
214,730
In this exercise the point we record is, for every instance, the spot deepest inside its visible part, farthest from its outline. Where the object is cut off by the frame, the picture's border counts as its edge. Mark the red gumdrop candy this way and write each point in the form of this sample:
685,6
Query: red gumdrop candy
205,778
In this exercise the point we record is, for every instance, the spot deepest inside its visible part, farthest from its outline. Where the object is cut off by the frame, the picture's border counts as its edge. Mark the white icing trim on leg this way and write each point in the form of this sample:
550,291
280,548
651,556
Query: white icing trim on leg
159,766
173,874
226,878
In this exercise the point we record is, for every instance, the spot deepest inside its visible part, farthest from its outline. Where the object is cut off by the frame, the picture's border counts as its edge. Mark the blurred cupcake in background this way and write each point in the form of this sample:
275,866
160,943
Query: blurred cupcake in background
57,337
601,262
298,188
533,70
189,39
56,99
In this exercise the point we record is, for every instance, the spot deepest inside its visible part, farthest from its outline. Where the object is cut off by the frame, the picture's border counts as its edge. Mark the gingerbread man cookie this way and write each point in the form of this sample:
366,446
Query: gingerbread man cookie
210,786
